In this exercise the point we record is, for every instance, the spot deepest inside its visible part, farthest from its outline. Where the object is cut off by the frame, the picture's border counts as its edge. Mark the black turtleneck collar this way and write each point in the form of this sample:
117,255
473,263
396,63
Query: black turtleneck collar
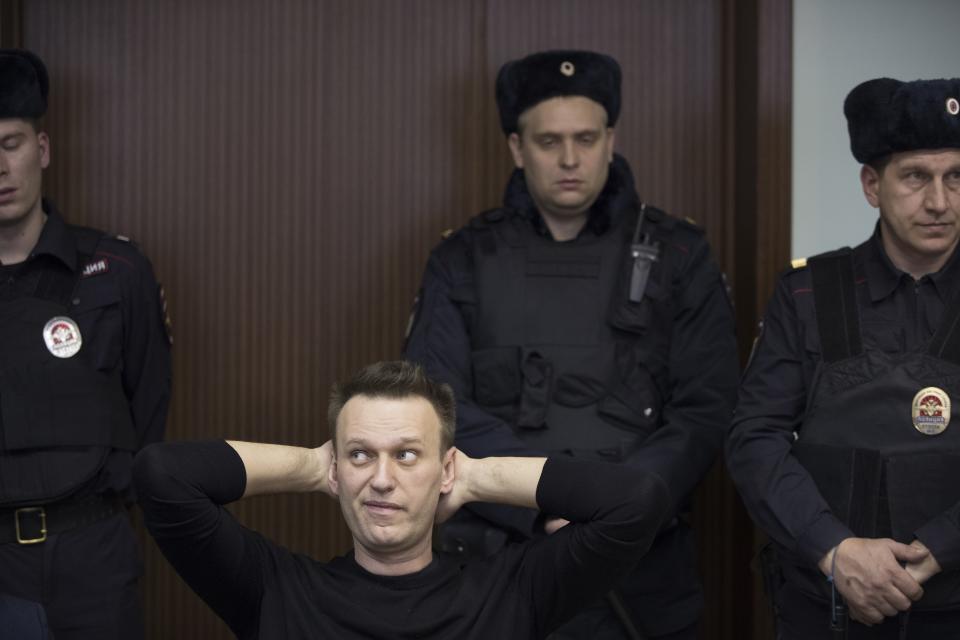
619,195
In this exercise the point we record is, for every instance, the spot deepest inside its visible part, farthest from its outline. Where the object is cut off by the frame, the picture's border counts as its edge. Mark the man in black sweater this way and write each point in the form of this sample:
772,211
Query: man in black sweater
392,466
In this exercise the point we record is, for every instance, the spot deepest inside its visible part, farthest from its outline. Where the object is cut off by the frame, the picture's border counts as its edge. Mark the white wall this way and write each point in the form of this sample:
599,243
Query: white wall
836,45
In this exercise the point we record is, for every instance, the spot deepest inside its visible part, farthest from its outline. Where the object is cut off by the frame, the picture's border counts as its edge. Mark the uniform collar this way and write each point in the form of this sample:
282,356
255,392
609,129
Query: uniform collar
883,277
618,196
55,239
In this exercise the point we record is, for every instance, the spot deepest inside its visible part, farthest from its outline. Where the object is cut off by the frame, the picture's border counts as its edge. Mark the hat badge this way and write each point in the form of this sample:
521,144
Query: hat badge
953,106
567,68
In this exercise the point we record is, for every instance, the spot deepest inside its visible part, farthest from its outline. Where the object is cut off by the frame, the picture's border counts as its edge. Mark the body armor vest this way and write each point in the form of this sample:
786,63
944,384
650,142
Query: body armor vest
59,417
863,439
558,345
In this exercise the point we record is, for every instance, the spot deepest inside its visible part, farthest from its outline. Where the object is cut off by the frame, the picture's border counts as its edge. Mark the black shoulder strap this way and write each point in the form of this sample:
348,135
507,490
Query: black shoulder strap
835,300
946,341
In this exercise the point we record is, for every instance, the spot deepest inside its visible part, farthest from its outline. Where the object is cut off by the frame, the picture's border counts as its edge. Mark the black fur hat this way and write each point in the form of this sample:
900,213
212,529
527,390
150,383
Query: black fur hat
524,83
23,84
885,116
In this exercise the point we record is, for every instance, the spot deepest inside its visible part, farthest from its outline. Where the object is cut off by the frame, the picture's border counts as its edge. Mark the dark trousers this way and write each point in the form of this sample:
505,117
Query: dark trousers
22,619
85,578
598,622
804,618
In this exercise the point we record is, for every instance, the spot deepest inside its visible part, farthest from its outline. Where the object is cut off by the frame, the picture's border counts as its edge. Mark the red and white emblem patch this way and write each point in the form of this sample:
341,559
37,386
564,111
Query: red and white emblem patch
62,337
931,411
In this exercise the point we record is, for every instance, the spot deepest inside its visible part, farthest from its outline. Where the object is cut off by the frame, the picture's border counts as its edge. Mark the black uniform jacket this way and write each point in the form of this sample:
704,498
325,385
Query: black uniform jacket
696,377
897,315
118,309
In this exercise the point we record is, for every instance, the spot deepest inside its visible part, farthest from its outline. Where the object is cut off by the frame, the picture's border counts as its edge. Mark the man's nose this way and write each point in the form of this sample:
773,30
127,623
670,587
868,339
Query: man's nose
383,475
935,197
568,155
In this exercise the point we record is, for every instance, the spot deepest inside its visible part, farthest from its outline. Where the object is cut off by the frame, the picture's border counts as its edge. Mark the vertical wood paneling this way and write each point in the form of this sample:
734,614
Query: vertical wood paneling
288,165
11,26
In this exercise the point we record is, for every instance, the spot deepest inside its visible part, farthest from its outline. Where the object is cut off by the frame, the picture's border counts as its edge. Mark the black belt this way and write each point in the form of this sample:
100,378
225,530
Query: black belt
32,524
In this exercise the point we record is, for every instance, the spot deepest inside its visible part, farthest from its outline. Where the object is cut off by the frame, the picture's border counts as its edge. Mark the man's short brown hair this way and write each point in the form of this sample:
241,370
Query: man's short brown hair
396,379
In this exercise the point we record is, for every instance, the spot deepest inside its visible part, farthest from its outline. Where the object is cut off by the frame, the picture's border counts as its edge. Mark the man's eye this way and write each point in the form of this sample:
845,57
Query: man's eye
359,455
407,455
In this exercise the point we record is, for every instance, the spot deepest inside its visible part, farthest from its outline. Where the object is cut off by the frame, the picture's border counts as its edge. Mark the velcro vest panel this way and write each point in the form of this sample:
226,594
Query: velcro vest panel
879,474
555,337
59,417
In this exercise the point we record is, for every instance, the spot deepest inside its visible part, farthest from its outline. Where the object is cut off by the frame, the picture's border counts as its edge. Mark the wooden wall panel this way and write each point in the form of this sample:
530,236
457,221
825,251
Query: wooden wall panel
288,166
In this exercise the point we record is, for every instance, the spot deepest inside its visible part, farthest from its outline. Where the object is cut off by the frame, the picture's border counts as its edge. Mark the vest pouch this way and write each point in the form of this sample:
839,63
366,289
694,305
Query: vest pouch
849,480
921,486
90,408
496,375
537,390
634,400
43,476
100,322
578,390
635,317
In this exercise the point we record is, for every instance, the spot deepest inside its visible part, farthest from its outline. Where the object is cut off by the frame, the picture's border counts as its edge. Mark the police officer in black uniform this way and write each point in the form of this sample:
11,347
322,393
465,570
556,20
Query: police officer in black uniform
84,383
842,444
577,320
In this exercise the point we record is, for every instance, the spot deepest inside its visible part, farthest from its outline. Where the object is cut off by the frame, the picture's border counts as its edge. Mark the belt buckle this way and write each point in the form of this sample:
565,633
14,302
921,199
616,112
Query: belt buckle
43,524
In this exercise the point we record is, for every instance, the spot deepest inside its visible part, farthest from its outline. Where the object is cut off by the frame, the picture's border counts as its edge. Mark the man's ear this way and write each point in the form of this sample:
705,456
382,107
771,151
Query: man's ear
332,483
43,140
448,475
611,139
870,181
513,141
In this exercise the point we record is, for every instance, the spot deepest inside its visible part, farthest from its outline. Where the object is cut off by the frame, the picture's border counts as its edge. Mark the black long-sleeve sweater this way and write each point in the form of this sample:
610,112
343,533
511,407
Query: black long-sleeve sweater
263,590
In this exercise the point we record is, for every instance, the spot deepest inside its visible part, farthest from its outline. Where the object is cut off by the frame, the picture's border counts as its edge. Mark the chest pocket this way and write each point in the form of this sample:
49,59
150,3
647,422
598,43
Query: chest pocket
99,317
883,335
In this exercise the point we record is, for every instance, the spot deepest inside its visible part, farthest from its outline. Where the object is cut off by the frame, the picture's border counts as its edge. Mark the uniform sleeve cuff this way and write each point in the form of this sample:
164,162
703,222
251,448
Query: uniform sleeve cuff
821,536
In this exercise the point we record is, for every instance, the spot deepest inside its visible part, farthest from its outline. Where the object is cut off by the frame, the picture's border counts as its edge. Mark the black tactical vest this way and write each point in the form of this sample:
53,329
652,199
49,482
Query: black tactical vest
59,417
862,439
559,349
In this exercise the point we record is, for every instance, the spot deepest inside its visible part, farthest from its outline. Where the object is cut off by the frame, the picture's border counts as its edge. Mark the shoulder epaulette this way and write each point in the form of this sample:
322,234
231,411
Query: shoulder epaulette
798,263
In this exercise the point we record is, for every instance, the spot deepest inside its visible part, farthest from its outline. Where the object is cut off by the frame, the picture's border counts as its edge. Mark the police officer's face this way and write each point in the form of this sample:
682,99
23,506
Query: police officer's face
24,154
389,474
918,194
564,148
